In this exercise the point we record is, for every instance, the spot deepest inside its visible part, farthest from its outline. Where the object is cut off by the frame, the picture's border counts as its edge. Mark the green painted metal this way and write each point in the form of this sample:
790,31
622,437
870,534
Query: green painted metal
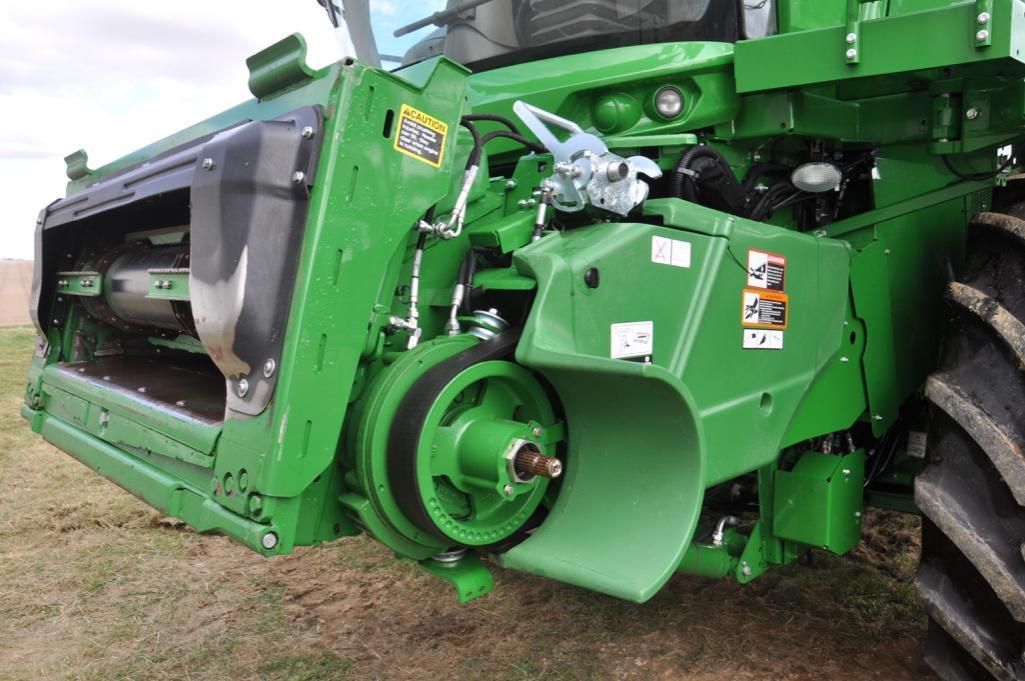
88,284
169,284
819,501
642,438
279,67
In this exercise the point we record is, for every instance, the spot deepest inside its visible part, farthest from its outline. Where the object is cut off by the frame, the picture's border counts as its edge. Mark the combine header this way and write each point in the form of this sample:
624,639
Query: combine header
601,291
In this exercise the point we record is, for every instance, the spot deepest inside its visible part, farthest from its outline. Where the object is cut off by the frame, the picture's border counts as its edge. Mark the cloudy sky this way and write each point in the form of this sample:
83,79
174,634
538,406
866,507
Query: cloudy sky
110,76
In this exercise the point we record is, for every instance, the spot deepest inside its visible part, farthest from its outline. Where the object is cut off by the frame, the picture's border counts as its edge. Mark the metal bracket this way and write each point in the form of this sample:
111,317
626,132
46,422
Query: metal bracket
852,33
169,284
983,27
86,284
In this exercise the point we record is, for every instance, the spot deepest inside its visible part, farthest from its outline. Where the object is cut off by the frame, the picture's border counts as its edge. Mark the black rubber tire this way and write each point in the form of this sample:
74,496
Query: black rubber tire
971,579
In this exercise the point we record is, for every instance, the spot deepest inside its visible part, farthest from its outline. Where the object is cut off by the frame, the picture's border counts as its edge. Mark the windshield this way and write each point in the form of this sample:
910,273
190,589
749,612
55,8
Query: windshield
486,34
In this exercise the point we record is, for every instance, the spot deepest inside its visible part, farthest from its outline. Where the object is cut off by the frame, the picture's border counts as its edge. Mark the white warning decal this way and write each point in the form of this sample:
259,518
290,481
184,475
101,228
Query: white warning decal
670,251
633,339
766,270
762,339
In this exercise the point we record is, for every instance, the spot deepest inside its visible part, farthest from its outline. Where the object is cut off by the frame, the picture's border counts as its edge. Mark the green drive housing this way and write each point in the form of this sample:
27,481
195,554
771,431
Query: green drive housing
224,328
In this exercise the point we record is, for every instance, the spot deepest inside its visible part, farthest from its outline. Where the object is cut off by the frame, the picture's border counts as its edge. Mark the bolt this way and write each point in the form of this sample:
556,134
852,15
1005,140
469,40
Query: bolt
984,18
531,202
298,177
857,514
507,490
243,387
745,569
877,417
307,132
208,164
268,368
982,35
536,432
852,53
269,541
846,471
852,38
141,389
886,252
522,203
972,114
510,184
104,418
844,360
180,403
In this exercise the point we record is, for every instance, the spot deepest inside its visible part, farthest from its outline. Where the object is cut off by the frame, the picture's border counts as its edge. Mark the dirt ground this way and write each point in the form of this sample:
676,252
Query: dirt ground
95,585
15,286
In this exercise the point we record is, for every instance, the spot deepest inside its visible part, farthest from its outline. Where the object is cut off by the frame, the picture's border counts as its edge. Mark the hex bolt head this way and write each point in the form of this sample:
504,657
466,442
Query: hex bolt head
536,432
269,541
851,53
268,368
298,177
972,114
857,514
852,38
745,569
307,132
846,471
982,35
243,387
983,18
510,184
208,163
507,490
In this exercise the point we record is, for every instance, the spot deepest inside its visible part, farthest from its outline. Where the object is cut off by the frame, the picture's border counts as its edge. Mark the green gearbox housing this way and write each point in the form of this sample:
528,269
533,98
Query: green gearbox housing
334,310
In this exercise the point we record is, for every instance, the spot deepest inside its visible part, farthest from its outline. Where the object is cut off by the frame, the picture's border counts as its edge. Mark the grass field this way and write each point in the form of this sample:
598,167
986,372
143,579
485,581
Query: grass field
96,585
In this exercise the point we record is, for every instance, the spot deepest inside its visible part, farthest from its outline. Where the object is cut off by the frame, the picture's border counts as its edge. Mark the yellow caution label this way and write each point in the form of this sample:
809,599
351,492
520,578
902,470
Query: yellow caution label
421,136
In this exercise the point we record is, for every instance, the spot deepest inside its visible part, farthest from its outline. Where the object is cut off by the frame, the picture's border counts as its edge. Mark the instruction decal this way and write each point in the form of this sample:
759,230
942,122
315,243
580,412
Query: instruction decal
763,339
766,270
632,339
765,309
670,251
420,136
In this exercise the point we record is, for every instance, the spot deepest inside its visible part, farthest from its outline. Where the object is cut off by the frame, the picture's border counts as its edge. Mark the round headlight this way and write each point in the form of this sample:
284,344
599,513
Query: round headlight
816,177
669,102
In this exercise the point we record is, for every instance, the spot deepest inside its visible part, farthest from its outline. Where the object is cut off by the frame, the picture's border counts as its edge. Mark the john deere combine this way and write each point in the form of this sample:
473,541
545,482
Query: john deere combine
597,290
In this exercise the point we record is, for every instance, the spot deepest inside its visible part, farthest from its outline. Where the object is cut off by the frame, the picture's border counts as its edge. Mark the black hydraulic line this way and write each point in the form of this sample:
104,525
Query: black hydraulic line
682,184
494,118
976,177
756,171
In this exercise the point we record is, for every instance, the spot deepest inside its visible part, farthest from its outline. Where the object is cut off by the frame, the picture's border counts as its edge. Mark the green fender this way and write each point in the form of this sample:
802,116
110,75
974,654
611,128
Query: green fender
629,504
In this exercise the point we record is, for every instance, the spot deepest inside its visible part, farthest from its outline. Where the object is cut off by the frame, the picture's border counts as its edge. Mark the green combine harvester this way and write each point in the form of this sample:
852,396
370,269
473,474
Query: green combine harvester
598,290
